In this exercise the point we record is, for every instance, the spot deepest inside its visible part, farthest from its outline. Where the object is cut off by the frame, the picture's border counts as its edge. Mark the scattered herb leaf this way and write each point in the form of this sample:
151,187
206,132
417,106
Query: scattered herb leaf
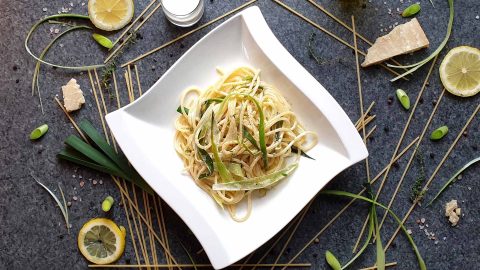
411,10
439,133
39,132
403,98
312,53
102,40
295,149
454,177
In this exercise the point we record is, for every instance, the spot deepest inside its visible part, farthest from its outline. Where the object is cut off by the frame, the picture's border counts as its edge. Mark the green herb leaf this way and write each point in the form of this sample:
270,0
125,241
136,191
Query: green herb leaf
420,260
452,179
411,10
107,203
208,161
250,138
257,182
212,100
102,40
39,132
295,149
332,260
179,110
439,133
261,131
414,67
403,98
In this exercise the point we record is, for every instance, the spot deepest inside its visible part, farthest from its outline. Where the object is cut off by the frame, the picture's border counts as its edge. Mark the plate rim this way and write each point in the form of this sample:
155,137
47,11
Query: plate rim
279,56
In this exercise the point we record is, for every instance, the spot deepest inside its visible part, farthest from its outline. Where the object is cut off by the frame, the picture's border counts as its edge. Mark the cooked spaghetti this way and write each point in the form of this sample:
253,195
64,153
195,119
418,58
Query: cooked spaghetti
238,136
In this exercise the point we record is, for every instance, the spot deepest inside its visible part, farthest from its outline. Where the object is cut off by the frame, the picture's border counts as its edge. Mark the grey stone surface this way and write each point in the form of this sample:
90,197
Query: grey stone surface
32,232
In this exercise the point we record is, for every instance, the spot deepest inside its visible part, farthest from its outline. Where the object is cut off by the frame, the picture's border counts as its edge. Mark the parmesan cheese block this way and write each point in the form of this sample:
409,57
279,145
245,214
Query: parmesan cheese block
404,38
72,96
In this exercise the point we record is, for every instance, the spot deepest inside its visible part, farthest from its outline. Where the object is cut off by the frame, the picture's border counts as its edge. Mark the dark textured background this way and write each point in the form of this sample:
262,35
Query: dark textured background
32,232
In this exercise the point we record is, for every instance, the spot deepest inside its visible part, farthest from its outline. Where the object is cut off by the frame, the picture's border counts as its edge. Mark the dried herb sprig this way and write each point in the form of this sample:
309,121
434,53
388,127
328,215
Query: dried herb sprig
311,52
417,192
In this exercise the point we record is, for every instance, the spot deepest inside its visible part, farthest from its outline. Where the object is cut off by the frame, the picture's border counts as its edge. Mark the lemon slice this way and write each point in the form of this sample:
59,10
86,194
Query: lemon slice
101,241
110,15
460,71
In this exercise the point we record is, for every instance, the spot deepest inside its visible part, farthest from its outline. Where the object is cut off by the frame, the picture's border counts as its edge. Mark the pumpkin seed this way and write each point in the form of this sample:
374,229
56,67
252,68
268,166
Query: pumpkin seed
102,40
403,98
411,10
332,260
439,133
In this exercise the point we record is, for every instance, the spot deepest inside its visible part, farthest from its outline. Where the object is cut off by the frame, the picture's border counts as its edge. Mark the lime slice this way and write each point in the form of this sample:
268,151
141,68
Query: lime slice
110,15
460,71
101,241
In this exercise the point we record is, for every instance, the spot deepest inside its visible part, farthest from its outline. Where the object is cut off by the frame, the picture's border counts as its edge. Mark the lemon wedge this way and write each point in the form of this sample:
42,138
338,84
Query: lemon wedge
110,15
460,71
101,241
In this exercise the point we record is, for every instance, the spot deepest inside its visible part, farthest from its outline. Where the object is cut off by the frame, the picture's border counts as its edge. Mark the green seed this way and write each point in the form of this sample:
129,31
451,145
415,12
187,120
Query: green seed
411,10
332,260
439,133
39,132
102,40
403,98
107,203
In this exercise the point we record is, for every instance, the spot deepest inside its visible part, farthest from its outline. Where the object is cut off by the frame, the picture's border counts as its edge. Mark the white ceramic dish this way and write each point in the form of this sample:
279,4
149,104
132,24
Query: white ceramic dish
145,131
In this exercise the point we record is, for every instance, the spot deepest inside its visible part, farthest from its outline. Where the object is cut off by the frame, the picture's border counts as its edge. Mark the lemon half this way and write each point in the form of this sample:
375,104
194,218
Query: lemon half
110,15
460,71
101,241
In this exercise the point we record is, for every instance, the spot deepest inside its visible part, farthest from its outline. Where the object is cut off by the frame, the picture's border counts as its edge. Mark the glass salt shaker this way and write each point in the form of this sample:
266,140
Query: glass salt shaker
183,13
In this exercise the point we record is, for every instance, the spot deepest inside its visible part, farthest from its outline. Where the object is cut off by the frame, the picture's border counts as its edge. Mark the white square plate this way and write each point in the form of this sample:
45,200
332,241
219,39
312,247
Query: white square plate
145,132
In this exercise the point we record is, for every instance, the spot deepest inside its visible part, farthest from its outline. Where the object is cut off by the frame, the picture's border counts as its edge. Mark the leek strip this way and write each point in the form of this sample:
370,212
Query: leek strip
250,138
421,262
69,15
367,241
73,156
222,169
62,208
256,182
452,179
414,67
119,159
93,154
